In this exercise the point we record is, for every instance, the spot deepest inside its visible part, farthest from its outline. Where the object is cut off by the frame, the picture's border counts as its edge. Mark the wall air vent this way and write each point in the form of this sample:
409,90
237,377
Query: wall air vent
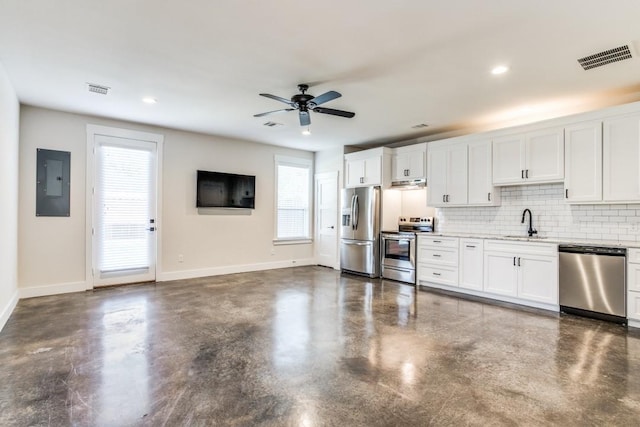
272,124
102,90
607,57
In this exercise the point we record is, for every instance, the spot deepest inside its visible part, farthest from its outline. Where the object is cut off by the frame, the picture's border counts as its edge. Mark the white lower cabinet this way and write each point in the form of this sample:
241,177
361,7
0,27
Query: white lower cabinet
500,273
471,264
523,270
438,260
633,287
515,271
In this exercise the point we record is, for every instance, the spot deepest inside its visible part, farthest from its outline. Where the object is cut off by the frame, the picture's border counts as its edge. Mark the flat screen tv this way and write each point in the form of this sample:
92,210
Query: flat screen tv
225,190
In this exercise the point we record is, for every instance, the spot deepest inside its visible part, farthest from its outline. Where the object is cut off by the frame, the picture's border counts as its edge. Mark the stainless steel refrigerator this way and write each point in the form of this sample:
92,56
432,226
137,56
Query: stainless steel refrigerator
360,231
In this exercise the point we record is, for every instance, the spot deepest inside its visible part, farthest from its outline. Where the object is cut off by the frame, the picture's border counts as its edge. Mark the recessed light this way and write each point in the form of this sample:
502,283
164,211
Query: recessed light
149,100
500,69
306,131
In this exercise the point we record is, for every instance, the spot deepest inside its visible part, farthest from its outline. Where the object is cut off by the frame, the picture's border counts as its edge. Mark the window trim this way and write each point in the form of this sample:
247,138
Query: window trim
296,162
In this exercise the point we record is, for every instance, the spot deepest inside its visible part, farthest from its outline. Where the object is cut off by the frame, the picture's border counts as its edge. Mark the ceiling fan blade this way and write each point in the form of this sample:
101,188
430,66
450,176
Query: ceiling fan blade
305,120
274,111
326,97
333,112
277,98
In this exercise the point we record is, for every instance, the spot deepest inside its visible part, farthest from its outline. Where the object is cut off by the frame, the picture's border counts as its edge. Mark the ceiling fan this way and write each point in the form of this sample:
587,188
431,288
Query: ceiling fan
305,103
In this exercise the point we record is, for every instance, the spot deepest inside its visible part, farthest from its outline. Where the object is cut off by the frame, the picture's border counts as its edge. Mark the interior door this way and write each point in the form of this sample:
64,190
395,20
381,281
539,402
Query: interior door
124,211
327,219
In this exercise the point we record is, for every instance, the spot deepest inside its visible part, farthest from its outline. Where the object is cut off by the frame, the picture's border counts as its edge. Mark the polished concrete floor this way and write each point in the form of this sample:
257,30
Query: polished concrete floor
308,347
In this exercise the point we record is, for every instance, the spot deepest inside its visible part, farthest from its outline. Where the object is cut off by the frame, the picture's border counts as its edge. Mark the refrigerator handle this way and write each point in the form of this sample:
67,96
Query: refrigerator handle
356,212
353,199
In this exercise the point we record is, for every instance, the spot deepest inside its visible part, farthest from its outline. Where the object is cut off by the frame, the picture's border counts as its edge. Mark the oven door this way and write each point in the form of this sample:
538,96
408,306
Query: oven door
399,250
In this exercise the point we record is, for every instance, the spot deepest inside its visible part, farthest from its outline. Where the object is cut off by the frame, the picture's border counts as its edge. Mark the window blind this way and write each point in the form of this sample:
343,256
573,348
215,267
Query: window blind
123,194
293,193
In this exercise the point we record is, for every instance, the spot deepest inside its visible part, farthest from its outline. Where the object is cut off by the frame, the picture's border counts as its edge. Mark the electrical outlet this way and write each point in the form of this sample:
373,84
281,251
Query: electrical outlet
180,258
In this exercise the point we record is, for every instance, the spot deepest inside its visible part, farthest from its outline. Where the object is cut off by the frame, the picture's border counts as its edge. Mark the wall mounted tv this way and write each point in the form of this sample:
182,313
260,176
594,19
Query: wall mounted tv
225,190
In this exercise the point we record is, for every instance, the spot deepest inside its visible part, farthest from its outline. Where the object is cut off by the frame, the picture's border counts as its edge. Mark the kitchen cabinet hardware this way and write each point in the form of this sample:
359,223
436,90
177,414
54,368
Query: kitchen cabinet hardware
514,261
437,241
522,173
566,193
436,274
443,198
488,197
518,261
526,173
471,246
436,255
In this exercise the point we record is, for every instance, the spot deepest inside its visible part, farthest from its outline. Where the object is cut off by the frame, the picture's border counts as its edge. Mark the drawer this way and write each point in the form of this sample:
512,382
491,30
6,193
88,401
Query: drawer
438,242
441,275
439,256
633,255
633,277
633,305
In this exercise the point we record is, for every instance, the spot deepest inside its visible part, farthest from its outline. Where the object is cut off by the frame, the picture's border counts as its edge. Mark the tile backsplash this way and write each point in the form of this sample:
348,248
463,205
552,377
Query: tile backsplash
552,216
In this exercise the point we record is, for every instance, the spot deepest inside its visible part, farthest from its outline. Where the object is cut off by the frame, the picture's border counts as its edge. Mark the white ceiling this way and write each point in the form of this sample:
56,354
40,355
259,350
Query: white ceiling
397,64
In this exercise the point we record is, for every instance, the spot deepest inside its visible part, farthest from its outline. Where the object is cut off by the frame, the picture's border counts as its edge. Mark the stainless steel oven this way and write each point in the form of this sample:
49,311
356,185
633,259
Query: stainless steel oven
399,256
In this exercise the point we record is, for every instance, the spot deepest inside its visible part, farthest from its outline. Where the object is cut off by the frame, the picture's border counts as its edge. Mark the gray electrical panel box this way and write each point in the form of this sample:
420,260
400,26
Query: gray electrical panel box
53,183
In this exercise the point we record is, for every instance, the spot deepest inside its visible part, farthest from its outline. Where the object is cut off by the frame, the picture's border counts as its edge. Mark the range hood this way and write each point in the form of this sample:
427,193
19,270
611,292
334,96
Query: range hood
409,184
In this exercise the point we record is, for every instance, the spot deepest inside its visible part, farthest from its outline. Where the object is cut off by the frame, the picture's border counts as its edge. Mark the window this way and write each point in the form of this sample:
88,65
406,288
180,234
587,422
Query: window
293,199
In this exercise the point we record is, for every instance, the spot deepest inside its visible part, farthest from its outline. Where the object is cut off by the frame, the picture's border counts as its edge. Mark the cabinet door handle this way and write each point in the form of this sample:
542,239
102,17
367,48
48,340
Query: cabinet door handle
526,174
437,241
437,255
447,198
522,173
471,246
436,274
566,193
514,261
488,197
444,198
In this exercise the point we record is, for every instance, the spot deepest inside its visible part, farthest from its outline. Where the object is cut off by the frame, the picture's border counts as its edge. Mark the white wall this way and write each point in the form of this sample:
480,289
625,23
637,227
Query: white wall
52,250
552,216
9,128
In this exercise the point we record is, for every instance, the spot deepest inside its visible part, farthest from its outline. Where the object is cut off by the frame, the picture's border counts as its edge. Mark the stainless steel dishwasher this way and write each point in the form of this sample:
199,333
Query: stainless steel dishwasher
593,282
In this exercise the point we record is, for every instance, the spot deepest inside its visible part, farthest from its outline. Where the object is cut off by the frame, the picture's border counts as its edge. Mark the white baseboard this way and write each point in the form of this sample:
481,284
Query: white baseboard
5,312
46,290
231,269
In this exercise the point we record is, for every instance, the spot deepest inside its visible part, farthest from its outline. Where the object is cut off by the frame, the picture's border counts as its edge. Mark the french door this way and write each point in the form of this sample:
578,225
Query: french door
124,210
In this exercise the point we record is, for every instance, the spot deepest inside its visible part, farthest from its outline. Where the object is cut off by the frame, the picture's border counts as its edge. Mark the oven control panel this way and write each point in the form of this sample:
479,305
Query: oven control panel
407,223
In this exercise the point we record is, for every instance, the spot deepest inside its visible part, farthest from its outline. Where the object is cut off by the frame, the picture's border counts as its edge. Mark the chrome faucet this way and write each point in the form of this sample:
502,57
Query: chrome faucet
531,230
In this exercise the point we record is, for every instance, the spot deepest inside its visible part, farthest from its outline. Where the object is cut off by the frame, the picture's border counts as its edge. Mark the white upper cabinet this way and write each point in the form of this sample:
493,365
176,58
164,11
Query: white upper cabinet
529,158
583,162
447,175
367,168
480,187
508,160
621,159
409,163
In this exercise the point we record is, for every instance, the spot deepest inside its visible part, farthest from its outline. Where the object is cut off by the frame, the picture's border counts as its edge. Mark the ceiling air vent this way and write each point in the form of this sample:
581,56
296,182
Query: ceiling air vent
272,124
607,57
102,90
